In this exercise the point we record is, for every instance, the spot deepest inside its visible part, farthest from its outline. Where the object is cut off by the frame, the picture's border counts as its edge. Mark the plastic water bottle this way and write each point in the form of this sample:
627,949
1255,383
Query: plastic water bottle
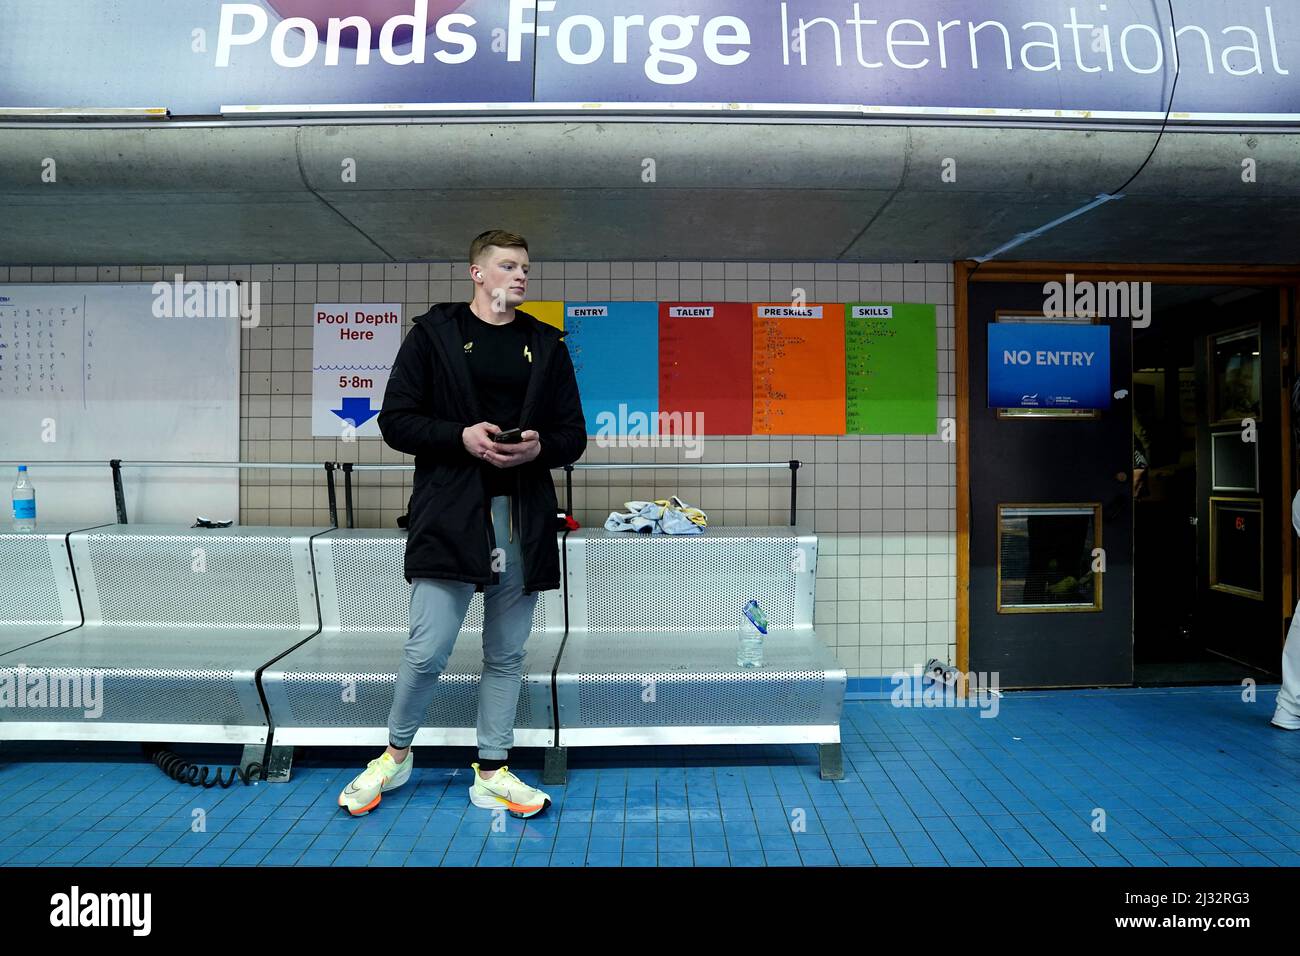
24,502
753,625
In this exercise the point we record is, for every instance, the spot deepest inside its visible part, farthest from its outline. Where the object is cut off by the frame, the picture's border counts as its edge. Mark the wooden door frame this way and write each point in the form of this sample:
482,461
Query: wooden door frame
1285,278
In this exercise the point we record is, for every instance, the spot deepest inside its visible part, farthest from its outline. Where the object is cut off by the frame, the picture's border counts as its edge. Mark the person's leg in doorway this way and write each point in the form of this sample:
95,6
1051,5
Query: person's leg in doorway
507,623
1287,713
437,613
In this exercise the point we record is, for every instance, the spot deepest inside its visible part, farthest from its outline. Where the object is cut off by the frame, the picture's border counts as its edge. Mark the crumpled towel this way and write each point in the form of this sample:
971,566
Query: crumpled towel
694,515
663,516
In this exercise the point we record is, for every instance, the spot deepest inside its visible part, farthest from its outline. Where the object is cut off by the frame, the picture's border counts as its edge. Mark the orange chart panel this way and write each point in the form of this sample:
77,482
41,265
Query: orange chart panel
798,369
706,373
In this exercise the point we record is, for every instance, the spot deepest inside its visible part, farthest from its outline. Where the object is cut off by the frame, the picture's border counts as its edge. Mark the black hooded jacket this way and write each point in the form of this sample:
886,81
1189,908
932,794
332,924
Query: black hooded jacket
429,401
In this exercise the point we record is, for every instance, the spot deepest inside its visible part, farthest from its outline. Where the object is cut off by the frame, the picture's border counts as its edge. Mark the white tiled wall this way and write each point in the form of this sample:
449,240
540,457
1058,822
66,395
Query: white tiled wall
883,507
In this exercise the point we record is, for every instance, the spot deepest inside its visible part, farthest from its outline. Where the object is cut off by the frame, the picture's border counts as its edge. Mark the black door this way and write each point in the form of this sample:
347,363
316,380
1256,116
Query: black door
1050,498
1240,519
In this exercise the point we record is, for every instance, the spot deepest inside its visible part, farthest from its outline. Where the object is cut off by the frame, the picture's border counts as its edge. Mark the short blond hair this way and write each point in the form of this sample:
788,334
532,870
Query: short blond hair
495,237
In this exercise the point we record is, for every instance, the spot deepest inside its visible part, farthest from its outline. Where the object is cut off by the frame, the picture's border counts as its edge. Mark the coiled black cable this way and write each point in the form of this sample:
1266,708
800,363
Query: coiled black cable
184,771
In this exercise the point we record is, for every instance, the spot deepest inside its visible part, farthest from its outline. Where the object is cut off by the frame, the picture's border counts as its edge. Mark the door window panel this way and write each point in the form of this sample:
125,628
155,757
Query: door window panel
1046,559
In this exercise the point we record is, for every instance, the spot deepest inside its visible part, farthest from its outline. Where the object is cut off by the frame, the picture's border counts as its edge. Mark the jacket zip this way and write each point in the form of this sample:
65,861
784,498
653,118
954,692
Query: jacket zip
523,569
487,530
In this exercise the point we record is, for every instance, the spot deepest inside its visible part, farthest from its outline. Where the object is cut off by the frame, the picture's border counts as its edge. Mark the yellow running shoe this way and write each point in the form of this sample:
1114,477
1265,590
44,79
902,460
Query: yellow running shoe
366,789
504,789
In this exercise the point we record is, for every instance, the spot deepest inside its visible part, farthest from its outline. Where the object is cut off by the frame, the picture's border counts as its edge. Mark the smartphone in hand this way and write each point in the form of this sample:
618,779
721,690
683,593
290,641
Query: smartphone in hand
511,437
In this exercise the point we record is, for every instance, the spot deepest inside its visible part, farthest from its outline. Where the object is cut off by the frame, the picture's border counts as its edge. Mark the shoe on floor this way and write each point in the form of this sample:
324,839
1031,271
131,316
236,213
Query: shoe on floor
382,774
506,790
1283,720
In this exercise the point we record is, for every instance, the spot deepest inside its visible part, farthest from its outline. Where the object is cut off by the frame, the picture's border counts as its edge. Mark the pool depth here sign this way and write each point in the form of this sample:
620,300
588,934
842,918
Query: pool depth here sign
1049,365
353,347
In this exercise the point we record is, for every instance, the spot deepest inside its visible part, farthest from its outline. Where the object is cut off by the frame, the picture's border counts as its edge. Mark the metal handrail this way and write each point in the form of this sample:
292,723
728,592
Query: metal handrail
793,464
117,464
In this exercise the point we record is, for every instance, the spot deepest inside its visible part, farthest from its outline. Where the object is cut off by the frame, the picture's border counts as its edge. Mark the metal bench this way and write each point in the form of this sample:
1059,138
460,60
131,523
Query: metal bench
650,656
38,594
178,622
337,688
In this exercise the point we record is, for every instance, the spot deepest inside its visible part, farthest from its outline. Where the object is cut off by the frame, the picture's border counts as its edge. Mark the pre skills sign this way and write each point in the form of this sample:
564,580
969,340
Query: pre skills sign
1052,365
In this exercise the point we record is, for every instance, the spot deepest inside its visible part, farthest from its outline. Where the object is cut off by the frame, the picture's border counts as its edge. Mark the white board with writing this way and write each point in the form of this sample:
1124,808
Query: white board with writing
89,371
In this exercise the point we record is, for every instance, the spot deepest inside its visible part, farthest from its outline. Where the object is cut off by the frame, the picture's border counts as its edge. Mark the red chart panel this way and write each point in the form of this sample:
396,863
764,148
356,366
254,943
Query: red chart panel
706,368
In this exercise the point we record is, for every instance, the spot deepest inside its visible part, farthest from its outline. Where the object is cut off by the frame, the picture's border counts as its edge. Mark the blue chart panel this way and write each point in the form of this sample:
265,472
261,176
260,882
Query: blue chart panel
615,349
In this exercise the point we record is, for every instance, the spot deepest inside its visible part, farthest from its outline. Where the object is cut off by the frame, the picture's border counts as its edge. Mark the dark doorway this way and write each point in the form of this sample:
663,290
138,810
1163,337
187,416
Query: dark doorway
1207,487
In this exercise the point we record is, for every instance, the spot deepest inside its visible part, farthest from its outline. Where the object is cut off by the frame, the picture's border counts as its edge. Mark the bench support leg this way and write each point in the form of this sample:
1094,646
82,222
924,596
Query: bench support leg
276,761
555,770
831,759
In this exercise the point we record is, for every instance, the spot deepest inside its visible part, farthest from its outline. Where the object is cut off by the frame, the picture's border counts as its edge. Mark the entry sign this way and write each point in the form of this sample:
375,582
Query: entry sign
353,347
1049,365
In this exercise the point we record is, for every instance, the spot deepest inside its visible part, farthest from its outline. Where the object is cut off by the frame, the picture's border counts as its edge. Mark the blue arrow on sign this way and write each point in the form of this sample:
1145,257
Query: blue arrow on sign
356,410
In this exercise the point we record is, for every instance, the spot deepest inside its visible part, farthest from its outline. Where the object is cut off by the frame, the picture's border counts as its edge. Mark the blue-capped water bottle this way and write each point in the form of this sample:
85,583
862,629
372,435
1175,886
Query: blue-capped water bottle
24,499
753,625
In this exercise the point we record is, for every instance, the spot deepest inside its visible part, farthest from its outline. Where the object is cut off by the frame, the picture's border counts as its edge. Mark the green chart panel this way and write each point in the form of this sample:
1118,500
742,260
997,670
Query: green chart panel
891,372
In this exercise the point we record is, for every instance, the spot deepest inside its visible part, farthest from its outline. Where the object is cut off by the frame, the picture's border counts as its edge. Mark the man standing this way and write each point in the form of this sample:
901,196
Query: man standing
482,515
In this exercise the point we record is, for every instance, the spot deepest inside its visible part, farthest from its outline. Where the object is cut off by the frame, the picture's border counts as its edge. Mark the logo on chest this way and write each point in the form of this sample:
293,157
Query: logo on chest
469,348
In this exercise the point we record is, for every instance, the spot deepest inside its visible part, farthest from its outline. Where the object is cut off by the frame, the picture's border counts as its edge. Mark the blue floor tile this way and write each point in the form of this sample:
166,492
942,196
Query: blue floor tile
921,788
